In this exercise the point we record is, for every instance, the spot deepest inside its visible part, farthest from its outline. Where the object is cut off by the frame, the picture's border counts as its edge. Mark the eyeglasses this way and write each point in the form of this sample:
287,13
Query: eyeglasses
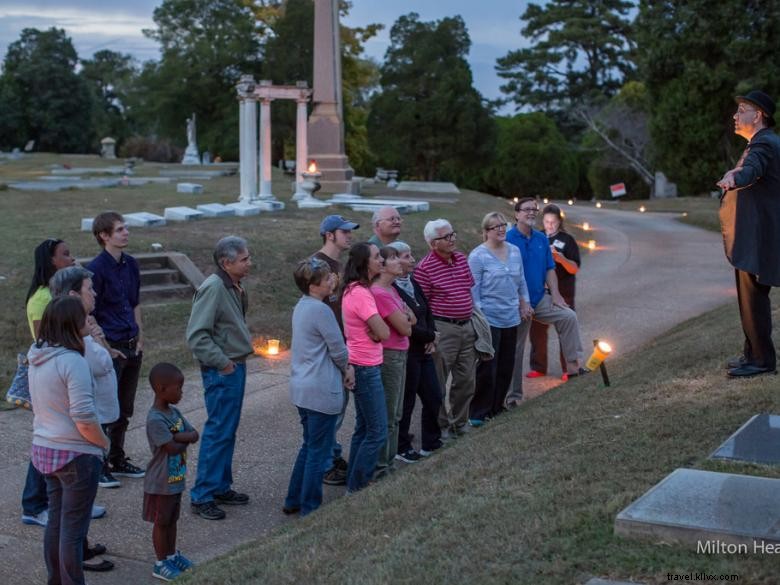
742,110
500,226
449,237
529,209
395,219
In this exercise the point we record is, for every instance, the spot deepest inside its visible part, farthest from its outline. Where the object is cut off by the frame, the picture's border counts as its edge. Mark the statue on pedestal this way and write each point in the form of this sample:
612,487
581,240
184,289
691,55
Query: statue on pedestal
191,155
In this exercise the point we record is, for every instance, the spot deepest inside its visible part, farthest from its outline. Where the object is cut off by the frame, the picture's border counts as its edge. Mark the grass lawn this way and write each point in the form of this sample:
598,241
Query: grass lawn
531,498
276,241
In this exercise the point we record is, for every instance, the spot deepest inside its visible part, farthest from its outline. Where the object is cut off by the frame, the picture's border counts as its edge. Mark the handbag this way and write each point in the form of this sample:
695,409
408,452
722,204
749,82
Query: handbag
19,392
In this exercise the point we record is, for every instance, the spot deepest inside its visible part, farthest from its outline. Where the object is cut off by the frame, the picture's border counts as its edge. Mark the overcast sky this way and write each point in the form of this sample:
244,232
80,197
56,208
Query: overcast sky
493,25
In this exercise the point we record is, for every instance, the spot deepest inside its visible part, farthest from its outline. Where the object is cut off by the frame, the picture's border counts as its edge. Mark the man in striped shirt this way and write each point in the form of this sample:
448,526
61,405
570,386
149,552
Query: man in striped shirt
445,279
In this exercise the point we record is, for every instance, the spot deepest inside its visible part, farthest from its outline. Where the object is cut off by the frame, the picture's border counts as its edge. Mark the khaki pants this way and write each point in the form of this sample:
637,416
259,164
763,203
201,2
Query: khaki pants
393,377
568,328
455,354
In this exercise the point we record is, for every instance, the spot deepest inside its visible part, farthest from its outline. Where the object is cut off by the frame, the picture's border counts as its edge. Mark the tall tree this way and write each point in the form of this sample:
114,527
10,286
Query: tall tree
428,120
111,77
579,49
695,57
43,97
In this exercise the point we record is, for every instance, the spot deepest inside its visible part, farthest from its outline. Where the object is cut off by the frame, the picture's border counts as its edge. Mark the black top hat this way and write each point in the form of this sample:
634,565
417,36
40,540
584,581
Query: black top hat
763,102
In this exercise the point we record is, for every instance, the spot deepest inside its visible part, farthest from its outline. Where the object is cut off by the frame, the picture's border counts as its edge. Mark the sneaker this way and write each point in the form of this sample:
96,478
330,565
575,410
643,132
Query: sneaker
340,463
107,480
181,562
126,469
335,476
40,519
98,565
410,456
208,510
231,498
166,570
534,374
98,511
476,422
428,452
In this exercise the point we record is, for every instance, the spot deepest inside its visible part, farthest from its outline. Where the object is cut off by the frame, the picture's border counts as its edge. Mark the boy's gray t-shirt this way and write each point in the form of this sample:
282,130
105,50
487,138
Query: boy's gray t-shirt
166,473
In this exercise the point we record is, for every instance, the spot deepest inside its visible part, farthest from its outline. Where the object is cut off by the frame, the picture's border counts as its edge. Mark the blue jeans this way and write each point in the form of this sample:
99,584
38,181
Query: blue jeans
71,492
305,491
337,449
370,426
224,396
34,498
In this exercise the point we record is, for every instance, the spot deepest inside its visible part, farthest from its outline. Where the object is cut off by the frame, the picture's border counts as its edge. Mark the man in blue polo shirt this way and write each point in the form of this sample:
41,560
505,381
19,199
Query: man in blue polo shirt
117,283
548,304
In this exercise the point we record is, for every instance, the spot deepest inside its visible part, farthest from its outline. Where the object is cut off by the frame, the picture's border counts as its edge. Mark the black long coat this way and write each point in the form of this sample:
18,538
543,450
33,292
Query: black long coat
750,213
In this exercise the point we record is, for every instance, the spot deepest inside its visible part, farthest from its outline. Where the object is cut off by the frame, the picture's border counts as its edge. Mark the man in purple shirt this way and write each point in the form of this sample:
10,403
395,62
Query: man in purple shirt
117,283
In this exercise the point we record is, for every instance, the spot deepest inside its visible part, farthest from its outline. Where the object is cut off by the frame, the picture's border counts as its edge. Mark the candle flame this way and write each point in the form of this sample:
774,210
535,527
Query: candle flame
604,346
571,201
591,244
586,226
598,205
545,200
312,167
642,209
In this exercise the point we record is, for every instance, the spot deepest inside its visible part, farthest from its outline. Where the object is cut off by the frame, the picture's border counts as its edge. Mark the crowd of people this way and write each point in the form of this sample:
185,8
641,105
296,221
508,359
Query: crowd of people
379,327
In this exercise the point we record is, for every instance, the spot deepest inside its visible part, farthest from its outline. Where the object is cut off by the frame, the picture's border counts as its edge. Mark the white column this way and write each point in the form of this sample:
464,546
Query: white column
301,145
247,121
265,149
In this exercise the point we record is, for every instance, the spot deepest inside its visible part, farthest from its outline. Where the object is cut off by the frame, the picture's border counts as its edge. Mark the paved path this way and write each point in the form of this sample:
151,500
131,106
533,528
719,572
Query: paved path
648,274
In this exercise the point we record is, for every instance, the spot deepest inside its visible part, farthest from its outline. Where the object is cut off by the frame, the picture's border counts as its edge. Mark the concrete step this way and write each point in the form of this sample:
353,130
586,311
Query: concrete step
157,291
160,276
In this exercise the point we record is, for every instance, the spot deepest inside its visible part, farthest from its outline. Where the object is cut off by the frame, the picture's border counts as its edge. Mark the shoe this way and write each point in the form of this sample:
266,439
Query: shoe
99,565
534,374
580,372
127,469
335,476
749,370
476,422
231,498
107,480
512,405
340,463
736,362
409,456
208,510
428,452
40,519
290,511
181,562
166,571
94,551
98,511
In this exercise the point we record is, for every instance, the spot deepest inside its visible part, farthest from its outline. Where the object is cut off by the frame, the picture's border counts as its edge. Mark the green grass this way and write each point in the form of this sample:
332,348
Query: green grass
532,497
276,241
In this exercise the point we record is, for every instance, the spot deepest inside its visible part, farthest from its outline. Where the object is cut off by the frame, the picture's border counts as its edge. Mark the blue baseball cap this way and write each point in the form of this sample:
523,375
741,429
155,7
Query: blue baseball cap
336,222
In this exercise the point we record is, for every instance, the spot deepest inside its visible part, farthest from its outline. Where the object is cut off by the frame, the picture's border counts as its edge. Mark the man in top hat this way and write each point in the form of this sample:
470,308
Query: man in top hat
750,223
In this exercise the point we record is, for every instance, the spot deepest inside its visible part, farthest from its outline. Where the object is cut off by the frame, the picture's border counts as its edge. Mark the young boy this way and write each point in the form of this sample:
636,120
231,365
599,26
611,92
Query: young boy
168,433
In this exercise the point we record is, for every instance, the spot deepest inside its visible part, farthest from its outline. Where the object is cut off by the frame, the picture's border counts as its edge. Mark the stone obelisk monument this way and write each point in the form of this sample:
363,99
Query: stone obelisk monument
326,122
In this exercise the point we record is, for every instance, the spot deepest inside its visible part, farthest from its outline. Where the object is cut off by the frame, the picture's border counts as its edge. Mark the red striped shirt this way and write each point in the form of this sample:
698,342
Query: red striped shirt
446,284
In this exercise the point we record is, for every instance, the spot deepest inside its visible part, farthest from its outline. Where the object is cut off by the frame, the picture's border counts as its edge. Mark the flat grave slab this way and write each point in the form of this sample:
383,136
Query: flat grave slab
244,209
116,170
189,188
427,187
757,441
137,181
52,185
408,205
215,210
194,174
366,206
182,213
691,506
143,219
268,204
86,224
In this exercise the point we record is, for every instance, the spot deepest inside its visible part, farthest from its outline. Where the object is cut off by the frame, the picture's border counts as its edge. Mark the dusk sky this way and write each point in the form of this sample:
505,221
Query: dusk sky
493,25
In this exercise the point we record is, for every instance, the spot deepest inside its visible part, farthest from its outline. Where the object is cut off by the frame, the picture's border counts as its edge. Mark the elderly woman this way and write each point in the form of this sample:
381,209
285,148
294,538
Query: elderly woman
566,254
319,373
68,442
420,379
500,292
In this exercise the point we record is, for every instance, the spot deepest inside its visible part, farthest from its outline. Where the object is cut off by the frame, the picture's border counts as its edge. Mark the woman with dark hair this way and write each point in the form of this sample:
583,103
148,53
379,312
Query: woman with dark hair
319,372
68,442
364,330
566,254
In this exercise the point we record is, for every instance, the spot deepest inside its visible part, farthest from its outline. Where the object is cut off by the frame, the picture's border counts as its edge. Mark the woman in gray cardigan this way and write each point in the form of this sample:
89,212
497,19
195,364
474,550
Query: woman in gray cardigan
319,372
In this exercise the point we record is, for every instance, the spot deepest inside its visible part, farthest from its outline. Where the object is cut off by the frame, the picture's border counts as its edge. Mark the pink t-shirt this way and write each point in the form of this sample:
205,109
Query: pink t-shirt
357,307
388,301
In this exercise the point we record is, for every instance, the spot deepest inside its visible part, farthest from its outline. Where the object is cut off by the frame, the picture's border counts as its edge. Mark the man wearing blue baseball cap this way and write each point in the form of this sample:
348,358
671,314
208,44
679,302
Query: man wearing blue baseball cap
750,223
336,235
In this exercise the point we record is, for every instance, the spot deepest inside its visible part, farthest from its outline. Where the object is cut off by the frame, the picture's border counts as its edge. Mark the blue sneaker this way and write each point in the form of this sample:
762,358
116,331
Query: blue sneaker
166,571
181,562
476,422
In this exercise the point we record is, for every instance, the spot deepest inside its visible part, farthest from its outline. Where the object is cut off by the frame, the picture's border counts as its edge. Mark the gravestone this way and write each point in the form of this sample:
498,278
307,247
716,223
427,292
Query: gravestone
15,154
244,209
206,158
690,506
663,187
107,147
191,154
428,187
215,210
182,213
29,146
189,188
143,219
757,441
86,224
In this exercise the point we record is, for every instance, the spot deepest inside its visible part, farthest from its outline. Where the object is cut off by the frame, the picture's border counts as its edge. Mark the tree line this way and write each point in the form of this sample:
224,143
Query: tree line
604,91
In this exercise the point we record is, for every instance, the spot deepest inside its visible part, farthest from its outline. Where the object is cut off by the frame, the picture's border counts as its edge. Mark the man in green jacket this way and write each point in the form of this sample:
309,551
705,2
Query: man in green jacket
219,339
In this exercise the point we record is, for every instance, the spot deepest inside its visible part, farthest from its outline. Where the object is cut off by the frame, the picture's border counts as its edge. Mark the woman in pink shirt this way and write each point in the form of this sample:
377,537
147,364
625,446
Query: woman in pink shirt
399,319
364,330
